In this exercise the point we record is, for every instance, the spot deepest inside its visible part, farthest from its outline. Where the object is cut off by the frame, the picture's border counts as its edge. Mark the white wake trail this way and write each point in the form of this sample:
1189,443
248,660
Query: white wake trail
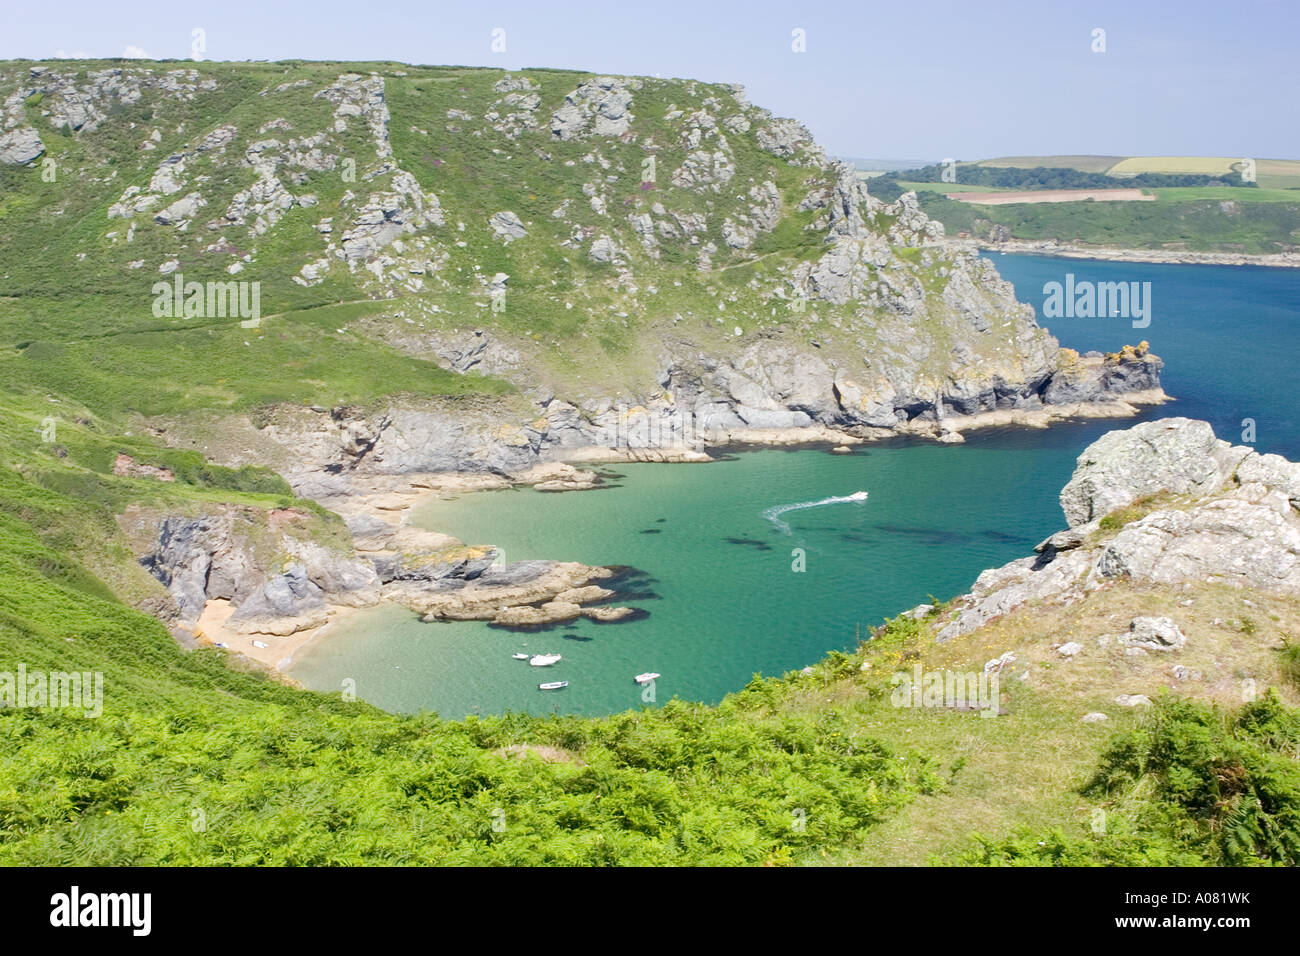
774,514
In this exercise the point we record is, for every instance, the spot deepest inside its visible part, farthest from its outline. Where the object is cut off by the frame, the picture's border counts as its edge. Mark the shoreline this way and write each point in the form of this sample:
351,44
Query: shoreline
211,630
1055,249
398,498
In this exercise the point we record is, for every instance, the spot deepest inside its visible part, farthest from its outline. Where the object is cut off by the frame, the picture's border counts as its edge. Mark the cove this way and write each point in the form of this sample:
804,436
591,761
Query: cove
717,576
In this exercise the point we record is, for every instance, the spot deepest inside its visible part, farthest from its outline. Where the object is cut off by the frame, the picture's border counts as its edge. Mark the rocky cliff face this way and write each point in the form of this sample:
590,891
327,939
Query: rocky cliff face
285,571
1163,503
612,246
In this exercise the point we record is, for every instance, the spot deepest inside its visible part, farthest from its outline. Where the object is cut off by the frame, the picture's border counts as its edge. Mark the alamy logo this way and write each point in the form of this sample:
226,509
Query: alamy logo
75,689
75,908
1090,300
959,690
179,299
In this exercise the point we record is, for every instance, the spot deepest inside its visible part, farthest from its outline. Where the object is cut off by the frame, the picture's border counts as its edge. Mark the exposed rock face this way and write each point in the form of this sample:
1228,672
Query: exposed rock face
1154,634
20,146
1171,455
404,208
507,226
599,106
232,555
279,579
1234,519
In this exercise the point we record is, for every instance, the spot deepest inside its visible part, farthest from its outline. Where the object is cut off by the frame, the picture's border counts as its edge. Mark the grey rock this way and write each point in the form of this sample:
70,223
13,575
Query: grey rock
1175,455
507,226
180,210
1154,634
288,594
599,106
20,146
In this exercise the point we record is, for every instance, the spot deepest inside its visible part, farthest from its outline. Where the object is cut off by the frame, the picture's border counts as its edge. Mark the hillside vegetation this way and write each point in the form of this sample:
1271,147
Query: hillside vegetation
1203,204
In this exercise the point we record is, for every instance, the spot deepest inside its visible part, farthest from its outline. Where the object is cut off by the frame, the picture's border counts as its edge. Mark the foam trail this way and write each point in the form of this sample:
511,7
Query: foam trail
774,514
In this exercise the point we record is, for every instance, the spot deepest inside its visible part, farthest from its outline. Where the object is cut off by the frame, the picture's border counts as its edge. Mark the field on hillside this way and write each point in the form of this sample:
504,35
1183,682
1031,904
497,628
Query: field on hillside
1087,164
1008,196
1269,173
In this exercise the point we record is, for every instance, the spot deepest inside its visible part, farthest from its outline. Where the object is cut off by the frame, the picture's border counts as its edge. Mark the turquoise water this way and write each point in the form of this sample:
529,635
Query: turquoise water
716,577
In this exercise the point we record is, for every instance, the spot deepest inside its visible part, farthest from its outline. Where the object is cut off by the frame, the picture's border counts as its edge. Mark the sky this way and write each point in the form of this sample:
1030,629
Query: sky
908,79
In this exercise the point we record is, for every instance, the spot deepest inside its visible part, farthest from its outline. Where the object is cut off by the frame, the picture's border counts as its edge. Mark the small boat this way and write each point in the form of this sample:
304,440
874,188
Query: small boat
520,657
645,678
543,660
553,685
858,496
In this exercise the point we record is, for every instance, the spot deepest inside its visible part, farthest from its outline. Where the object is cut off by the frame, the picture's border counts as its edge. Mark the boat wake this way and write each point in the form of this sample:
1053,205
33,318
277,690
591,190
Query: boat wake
774,514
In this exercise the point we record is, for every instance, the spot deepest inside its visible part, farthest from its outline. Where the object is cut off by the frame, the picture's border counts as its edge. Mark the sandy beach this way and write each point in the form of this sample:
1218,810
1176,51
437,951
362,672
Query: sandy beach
278,651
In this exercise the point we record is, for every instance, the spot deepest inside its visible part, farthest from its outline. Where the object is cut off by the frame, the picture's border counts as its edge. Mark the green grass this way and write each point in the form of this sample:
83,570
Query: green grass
1190,193
1245,227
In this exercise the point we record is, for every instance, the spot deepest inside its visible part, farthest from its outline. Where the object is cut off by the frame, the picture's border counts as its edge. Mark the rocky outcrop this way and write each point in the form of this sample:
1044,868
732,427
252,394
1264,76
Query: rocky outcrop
282,572
1208,512
599,106
1175,455
252,559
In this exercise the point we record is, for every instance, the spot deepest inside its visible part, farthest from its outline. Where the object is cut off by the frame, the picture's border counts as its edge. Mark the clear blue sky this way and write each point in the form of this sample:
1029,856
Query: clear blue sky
909,79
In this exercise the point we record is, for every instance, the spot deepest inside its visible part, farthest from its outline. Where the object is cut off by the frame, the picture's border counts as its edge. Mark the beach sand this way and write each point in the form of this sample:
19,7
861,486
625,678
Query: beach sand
278,652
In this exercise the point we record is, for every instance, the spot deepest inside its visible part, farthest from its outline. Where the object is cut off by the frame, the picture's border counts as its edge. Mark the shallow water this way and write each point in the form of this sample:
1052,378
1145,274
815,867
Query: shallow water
715,564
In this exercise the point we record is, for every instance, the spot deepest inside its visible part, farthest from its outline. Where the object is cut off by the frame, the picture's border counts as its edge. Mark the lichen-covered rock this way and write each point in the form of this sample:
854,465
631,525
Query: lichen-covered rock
20,146
1233,522
1174,455
507,226
599,106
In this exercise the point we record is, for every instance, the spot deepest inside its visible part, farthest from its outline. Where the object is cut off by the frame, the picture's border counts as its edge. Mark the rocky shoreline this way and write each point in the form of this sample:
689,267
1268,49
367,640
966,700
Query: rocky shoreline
281,585
264,584
1052,247
1163,503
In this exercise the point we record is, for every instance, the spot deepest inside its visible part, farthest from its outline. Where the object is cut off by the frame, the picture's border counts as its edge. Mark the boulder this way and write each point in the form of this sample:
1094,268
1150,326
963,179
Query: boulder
20,146
1154,634
1175,455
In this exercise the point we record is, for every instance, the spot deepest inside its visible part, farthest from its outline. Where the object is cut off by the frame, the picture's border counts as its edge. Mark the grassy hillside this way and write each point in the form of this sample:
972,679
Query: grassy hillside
1199,225
385,209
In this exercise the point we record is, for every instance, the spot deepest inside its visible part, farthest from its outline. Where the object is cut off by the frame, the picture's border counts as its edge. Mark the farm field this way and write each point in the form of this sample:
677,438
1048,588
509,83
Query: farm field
1010,196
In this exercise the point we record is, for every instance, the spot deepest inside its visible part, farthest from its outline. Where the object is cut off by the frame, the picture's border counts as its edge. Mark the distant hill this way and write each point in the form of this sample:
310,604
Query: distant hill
1270,173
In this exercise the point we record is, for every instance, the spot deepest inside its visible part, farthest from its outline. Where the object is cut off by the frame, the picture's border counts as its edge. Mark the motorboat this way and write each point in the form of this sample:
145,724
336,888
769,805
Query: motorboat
520,657
553,685
543,660
858,496
645,678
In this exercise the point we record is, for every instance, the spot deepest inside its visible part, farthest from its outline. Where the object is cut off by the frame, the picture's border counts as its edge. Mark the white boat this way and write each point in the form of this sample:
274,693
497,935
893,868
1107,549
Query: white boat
858,496
520,657
544,660
553,685
645,678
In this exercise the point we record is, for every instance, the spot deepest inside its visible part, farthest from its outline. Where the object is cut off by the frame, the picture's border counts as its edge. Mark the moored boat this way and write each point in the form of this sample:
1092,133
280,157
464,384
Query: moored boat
553,685
544,660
